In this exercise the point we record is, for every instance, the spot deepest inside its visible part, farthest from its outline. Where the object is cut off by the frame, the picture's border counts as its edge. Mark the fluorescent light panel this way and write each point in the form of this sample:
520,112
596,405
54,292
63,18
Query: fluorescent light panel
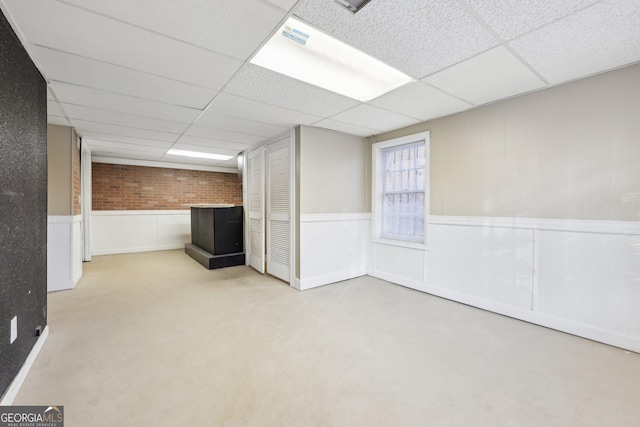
198,154
304,53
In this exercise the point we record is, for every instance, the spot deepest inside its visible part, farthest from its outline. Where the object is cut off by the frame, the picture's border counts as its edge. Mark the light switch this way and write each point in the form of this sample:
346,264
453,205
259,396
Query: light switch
14,329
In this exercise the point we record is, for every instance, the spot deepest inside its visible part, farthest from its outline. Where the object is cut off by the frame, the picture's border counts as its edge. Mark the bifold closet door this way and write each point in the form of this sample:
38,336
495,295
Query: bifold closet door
278,209
256,244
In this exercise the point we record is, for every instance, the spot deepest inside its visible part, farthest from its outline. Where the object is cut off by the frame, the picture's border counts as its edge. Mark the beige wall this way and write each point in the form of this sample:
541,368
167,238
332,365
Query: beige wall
333,172
59,162
569,152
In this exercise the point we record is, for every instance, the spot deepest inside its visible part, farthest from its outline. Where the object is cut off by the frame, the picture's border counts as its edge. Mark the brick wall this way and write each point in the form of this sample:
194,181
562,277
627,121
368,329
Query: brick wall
76,178
122,187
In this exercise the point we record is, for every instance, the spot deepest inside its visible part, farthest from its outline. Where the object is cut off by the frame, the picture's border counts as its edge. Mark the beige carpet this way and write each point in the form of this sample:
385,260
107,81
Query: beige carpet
155,339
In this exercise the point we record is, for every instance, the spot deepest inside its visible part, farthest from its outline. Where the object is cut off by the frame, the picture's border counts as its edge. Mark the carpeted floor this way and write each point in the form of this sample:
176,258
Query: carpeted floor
154,339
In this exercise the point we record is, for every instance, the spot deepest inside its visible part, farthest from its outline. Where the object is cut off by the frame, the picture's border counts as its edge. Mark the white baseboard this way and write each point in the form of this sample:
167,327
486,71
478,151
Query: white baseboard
537,318
327,279
13,389
402,281
137,250
542,319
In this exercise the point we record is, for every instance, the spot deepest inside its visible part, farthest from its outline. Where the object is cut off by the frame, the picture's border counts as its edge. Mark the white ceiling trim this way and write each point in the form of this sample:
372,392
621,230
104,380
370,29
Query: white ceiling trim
160,164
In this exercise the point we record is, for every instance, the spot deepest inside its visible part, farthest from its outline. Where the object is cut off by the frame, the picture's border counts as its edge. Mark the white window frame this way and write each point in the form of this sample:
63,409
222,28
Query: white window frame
378,188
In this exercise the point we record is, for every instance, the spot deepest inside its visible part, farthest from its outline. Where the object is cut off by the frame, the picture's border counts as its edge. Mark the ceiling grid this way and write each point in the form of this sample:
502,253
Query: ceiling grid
138,78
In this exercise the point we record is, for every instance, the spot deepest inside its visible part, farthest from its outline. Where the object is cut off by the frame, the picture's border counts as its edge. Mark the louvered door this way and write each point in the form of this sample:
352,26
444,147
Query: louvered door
278,209
256,244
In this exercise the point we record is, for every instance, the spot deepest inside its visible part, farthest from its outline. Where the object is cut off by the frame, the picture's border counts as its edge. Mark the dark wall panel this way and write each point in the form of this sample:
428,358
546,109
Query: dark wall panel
23,202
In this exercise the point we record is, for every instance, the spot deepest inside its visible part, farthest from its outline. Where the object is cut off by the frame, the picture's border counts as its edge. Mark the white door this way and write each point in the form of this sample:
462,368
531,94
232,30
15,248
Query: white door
255,179
278,209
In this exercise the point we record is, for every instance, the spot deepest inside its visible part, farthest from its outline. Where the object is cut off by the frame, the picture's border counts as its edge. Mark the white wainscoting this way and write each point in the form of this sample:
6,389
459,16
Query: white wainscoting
333,247
119,232
64,252
76,248
581,277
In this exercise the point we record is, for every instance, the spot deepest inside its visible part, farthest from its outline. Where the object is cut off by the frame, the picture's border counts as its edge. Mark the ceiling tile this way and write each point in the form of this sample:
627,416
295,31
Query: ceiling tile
420,101
204,149
169,158
599,38
194,140
223,135
512,18
53,109
160,44
490,76
80,95
284,4
235,124
82,125
418,37
122,147
67,68
59,121
252,110
266,86
89,135
345,127
69,29
374,118
129,120
235,28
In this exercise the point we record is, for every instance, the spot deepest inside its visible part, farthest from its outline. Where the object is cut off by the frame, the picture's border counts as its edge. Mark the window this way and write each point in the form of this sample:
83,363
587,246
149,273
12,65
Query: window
401,188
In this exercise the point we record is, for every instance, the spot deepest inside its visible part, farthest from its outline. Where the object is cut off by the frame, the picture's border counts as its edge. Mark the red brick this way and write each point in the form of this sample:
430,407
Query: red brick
117,187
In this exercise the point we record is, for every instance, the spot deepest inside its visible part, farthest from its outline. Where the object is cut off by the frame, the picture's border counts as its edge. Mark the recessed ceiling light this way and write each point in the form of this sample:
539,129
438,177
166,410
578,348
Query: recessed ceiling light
198,154
353,5
304,53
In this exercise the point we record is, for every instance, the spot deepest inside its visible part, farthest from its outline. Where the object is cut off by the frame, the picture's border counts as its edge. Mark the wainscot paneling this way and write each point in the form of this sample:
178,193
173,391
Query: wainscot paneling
64,252
492,263
117,232
333,247
591,278
581,277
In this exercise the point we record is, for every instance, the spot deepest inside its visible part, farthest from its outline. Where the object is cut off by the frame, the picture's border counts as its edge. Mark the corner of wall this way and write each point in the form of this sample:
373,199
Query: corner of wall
23,203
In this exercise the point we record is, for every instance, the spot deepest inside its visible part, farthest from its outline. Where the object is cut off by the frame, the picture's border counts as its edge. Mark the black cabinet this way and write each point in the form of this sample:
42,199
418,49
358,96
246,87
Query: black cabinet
217,236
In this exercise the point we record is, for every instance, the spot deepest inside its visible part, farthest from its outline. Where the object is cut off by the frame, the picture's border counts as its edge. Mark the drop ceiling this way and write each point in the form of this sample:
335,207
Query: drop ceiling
136,78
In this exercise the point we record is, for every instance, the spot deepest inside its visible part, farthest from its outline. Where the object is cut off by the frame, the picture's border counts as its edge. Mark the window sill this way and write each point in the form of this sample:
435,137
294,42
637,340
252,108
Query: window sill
401,243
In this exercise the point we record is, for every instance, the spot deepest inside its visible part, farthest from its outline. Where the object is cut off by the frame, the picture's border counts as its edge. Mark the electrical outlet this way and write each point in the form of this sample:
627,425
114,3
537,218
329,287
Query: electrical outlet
14,329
